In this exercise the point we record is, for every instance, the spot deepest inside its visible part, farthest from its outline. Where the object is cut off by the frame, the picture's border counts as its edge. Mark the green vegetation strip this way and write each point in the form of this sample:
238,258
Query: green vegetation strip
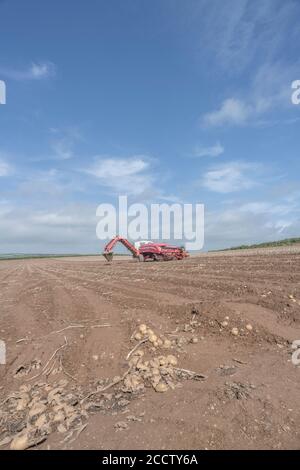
286,242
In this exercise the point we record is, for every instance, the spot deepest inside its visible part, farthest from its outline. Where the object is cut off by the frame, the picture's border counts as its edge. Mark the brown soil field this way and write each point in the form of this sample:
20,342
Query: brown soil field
81,374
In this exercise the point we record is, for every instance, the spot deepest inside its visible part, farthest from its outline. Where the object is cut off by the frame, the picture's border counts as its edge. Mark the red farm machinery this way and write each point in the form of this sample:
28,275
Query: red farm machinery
146,251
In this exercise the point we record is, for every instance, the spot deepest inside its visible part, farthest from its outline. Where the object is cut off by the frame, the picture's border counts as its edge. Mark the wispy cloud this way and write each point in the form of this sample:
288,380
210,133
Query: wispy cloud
51,185
229,177
5,168
64,142
36,71
212,151
247,41
231,111
5,208
62,145
62,149
269,89
238,33
64,229
263,207
127,175
255,221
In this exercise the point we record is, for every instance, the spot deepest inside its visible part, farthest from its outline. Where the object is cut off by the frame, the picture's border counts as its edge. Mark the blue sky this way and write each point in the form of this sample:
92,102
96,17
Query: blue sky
165,100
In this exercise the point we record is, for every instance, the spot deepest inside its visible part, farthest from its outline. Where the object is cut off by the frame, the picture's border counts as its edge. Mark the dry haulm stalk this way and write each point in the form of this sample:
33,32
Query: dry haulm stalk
111,384
105,325
21,340
156,370
145,369
79,326
50,359
65,371
190,373
136,347
79,431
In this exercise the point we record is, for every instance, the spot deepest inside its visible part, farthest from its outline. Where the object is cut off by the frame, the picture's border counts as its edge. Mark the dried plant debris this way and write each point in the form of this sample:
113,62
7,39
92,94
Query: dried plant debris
28,416
158,372
108,402
121,426
146,369
25,369
225,370
238,390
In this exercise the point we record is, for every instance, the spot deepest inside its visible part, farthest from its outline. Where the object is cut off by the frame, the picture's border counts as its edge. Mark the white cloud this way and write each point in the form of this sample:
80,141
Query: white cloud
270,89
56,219
5,207
118,168
254,222
229,177
67,229
63,149
36,71
213,151
231,111
50,185
64,141
127,175
267,208
62,144
5,168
